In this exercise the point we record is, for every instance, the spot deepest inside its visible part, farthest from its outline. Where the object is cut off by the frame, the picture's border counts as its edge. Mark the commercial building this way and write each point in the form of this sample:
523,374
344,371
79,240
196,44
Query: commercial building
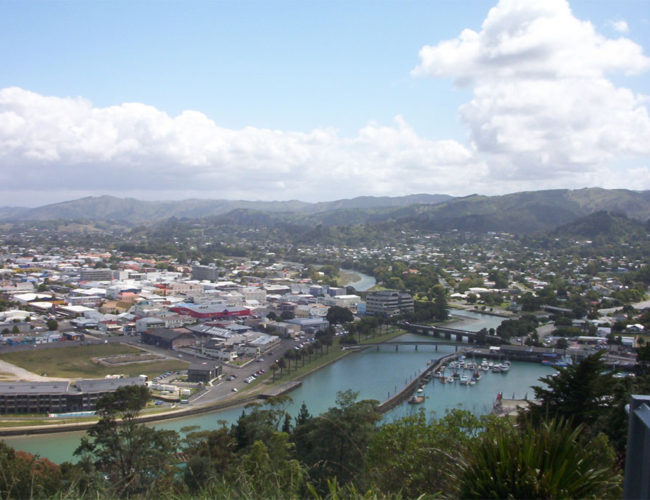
169,339
203,372
210,311
57,397
388,303
91,274
209,272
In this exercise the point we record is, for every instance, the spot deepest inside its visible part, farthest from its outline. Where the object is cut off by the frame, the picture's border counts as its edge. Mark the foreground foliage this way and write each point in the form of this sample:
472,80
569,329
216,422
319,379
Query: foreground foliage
553,460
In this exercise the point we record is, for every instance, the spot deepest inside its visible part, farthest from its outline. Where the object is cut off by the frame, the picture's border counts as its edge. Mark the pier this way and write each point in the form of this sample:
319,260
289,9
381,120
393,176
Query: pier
400,396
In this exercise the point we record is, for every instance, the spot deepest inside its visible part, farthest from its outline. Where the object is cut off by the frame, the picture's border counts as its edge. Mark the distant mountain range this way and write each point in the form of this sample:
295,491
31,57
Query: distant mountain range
522,213
132,211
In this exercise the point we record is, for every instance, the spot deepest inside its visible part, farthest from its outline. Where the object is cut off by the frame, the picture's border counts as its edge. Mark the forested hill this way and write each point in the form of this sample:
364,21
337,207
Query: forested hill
519,213
526,212
132,211
603,225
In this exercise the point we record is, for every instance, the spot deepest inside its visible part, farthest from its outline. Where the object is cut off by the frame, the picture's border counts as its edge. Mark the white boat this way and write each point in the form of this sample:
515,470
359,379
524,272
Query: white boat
464,380
416,399
505,367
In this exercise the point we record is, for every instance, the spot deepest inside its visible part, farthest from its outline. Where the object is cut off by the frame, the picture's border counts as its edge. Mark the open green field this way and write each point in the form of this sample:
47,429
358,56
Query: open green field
76,362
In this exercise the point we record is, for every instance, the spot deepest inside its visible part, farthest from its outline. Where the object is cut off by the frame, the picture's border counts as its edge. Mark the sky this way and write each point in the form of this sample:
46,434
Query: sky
320,100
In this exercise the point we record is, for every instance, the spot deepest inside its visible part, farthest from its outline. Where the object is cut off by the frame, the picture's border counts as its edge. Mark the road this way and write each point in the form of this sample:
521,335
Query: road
220,390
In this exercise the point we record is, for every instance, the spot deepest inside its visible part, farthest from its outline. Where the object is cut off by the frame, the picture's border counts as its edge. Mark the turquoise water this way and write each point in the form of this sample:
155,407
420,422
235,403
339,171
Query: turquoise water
374,374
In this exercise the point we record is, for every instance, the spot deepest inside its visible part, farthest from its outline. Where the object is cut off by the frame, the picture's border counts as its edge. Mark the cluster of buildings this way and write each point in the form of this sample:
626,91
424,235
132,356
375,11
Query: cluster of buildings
219,312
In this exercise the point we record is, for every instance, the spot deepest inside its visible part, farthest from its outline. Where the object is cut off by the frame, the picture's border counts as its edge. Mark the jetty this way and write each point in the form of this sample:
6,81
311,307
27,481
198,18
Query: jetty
403,395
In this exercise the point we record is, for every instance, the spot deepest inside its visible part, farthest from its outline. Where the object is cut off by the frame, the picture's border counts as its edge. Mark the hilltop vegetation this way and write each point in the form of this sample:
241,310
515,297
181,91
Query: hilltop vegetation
520,213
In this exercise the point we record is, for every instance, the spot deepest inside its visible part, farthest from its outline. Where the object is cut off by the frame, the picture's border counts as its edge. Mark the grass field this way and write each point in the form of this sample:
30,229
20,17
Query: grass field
76,362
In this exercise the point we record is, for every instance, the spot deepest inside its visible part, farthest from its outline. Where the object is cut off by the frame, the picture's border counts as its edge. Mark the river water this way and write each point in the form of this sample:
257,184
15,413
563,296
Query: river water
374,374
364,282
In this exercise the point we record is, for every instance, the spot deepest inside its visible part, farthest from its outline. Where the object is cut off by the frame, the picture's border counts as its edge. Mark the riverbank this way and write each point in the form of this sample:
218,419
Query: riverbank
257,393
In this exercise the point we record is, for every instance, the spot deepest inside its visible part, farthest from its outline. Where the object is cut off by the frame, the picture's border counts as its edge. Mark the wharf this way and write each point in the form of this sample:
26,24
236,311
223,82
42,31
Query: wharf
400,396
510,407
280,390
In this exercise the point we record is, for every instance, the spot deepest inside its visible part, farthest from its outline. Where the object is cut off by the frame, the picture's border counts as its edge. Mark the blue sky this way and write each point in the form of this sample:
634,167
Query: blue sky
319,100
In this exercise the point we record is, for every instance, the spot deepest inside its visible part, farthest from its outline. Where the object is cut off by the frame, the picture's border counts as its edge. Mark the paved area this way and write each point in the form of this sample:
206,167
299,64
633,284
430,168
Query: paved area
9,372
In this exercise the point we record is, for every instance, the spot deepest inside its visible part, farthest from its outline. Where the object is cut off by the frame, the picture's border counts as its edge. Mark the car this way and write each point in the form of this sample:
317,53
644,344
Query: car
158,402
234,389
260,360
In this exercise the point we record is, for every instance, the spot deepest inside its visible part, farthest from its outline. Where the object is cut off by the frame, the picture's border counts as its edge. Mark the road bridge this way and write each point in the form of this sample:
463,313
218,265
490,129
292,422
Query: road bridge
398,343
441,332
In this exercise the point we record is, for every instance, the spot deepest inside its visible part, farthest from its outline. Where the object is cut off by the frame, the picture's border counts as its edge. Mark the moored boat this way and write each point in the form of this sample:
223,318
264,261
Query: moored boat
414,400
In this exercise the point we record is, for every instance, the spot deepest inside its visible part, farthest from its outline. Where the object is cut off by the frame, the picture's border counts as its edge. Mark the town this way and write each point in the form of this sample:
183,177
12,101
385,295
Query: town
198,333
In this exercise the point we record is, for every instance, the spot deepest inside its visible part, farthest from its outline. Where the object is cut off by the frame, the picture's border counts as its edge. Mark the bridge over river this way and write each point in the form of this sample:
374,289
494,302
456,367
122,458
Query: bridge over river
398,343
442,332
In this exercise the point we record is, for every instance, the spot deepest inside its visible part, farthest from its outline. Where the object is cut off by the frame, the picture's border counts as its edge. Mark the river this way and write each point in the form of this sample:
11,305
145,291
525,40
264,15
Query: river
364,282
365,373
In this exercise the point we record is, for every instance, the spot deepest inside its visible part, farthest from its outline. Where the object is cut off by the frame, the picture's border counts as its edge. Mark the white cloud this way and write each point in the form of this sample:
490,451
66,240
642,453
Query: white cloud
620,26
53,144
542,104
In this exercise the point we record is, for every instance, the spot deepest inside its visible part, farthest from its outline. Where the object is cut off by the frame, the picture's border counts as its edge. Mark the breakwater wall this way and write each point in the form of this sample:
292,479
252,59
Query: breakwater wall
400,396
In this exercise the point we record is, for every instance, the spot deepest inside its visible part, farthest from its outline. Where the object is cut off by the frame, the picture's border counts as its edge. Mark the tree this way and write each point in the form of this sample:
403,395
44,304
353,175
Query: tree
334,443
210,453
500,278
439,299
23,475
406,456
135,459
267,470
338,315
303,415
562,343
52,324
286,315
553,460
642,368
577,393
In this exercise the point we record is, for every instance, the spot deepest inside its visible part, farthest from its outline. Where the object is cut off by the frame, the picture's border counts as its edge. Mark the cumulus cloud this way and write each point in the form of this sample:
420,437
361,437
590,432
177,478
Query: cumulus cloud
50,144
542,102
620,26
